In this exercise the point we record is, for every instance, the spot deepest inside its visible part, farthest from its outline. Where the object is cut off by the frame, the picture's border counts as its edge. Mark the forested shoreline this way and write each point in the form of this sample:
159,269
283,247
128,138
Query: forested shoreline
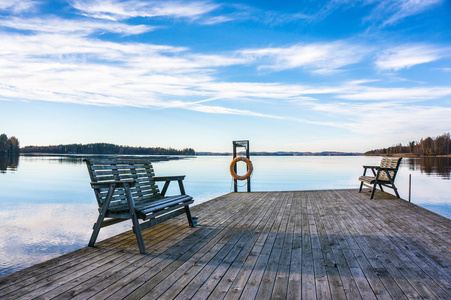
440,145
9,146
105,148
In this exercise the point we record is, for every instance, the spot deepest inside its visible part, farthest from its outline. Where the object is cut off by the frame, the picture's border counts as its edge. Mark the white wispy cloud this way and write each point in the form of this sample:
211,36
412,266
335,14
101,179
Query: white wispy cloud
62,61
407,56
249,113
78,69
120,10
384,13
217,20
390,12
52,24
229,11
362,93
74,68
383,119
318,57
17,6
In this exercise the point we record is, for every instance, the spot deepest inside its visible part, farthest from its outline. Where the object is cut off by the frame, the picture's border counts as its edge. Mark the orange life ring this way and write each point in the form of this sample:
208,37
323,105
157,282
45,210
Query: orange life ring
250,168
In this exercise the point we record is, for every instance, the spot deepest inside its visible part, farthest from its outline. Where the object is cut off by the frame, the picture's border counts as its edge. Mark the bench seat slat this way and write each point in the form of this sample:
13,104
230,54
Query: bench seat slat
166,211
152,208
372,179
146,207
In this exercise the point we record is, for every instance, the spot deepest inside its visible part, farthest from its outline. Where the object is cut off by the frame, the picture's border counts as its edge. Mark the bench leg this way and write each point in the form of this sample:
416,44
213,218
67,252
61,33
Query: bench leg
361,185
139,236
396,190
373,190
96,230
136,227
188,215
102,213
392,182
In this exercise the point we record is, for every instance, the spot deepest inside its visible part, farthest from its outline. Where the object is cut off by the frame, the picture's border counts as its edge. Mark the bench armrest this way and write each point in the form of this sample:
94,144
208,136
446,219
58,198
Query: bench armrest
169,178
372,167
118,183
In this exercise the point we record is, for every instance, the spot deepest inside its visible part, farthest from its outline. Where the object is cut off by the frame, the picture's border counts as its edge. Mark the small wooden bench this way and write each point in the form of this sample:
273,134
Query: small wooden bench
126,189
383,175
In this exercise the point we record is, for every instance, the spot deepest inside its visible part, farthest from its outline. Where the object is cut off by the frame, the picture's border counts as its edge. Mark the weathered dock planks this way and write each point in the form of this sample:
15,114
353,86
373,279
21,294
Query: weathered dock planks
333,244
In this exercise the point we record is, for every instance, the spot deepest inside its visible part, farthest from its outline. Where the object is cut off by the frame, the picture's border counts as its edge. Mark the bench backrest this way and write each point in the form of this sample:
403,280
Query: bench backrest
107,170
389,162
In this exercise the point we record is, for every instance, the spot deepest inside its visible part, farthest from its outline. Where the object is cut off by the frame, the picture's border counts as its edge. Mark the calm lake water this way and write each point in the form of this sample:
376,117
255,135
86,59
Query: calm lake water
48,208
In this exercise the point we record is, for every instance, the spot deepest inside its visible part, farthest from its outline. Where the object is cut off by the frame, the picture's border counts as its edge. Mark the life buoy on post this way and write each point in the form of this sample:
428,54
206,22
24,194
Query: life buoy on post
250,168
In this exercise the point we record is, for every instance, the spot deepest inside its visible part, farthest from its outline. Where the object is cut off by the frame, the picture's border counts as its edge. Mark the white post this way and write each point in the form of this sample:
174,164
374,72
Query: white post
410,185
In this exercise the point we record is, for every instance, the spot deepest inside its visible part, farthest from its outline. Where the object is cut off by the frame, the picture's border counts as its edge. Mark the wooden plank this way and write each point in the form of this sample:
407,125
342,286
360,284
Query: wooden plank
346,245
117,280
401,248
366,228
43,285
244,273
29,275
208,288
252,235
333,244
294,288
72,275
329,260
229,248
172,260
255,278
319,265
308,273
268,279
283,268
373,264
208,267
345,281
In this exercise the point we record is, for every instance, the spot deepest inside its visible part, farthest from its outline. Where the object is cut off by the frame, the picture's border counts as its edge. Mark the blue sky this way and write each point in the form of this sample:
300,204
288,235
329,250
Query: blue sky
307,75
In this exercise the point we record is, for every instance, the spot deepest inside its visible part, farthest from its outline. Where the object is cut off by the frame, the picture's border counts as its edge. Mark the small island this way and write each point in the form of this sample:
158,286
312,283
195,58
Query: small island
104,148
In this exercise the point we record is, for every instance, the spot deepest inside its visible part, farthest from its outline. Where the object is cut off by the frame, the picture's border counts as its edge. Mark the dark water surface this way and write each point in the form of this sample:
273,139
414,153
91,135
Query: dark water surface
47,207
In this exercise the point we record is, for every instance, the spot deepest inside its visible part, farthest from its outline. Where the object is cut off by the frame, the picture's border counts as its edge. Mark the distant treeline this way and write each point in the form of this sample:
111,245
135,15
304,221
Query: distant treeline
282,153
9,145
440,145
104,148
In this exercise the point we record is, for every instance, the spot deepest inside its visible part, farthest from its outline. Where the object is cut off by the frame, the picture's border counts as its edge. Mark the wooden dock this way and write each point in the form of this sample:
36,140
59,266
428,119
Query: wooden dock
335,244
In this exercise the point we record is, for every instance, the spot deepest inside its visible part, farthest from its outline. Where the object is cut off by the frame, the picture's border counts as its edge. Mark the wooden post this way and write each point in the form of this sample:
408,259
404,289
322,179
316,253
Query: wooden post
247,169
235,182
244,144
410,185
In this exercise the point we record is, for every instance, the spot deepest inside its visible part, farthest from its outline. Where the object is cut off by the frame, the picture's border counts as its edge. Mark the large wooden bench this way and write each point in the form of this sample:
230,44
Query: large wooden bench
383,175
126,189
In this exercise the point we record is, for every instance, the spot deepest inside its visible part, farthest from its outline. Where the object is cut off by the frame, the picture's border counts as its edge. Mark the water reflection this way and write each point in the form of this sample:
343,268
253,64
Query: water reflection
55,159
79,158
431,166
8,162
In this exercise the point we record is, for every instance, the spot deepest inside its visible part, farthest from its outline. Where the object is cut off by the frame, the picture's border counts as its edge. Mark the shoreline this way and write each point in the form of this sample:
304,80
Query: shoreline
410,155
75,155
151,157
